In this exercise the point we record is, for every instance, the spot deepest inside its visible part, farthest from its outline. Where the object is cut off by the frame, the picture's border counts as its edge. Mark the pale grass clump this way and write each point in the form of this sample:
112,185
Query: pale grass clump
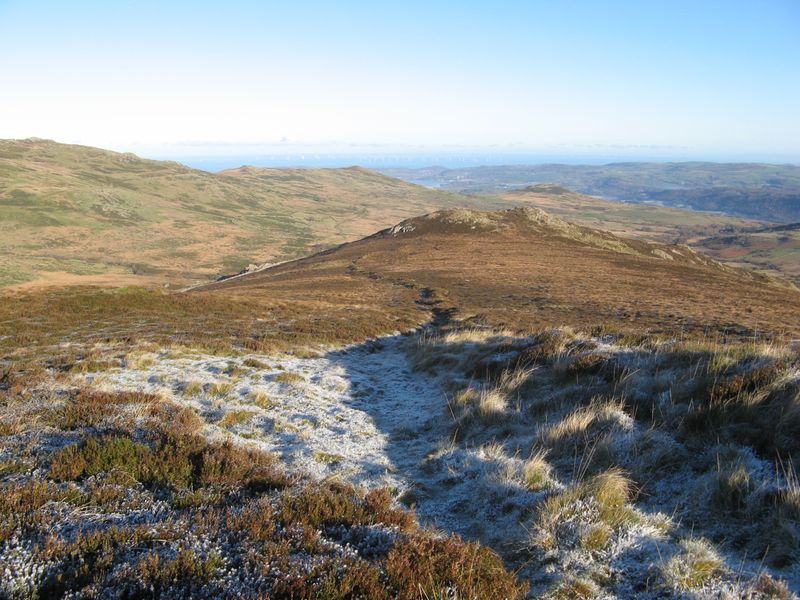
463,349
600,500
493,451
262,400
695,566
554,511
511,380
789,497
727,356
140,360
612,490
652,451
574,588
476,336
290,378
254,363
328,458
192,388
768,587
597,537
220,389
536,472
731,486
488,405
465,398
492,405
584,423
235,417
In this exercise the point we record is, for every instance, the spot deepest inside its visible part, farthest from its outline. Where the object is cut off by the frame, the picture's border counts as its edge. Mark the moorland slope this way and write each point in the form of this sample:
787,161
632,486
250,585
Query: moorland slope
75,214
524,269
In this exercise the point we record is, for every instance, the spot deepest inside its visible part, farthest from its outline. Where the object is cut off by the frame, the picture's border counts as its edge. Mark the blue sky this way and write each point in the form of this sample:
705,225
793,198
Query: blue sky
700,78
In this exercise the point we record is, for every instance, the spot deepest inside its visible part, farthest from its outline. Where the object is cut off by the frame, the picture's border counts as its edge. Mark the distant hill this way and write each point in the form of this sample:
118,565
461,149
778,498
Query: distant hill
525,269
769,249
752,190
774,250
75,214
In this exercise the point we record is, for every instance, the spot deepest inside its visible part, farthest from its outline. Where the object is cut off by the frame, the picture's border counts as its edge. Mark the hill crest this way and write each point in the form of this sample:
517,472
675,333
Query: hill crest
524,269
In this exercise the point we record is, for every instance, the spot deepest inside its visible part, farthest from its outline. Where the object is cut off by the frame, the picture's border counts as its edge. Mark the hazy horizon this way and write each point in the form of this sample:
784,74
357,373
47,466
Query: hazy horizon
221,162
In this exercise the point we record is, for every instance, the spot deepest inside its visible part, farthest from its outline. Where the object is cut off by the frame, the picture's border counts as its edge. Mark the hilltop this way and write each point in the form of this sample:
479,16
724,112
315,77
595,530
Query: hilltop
76,214
525,269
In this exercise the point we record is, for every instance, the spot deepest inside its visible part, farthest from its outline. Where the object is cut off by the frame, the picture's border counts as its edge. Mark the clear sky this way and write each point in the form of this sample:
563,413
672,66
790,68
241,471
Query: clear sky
691,78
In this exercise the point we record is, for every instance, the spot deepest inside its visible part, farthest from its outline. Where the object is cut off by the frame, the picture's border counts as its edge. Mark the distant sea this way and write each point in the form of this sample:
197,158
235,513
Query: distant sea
388,161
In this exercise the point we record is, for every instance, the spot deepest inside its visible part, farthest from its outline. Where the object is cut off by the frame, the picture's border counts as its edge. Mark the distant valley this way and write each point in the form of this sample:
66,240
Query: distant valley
751,190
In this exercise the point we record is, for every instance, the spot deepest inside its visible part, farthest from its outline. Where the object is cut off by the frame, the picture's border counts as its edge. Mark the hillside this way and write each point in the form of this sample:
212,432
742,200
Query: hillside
652,222
758,191
563,410
74,214
524,269
771,250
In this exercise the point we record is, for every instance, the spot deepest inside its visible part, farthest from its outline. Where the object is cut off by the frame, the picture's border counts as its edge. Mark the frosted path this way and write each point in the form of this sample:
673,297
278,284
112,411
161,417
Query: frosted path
359,413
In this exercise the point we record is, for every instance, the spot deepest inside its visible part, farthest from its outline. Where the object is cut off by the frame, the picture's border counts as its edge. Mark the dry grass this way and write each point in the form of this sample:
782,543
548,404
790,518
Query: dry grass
90,408
584,425
233,418
596,537
536,472
262,400
289,378
192,388
695,566
492,406
476,336
574,588
731,486
607,495
254,363
612,490
220,389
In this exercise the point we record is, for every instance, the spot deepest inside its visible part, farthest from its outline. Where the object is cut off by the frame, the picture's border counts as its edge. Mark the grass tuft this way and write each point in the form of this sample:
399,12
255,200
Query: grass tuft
290,378
536,472
695,566
235,417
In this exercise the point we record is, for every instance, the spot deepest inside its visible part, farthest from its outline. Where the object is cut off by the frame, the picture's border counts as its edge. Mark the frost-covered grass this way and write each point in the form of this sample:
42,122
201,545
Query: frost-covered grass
596,466
618,459
130,494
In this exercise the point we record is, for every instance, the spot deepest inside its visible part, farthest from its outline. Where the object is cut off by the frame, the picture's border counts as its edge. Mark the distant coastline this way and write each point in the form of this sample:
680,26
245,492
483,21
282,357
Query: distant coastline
420,160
